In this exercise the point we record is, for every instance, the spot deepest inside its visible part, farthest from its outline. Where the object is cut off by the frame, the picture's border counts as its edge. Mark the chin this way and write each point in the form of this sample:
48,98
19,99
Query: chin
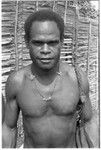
46,67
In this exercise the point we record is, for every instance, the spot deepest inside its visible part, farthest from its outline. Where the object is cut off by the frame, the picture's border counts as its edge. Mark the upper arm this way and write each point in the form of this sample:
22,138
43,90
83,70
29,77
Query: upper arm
87,108
11,107
3,108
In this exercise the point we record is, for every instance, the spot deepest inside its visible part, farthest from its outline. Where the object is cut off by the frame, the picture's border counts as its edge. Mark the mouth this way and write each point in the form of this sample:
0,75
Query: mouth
46,60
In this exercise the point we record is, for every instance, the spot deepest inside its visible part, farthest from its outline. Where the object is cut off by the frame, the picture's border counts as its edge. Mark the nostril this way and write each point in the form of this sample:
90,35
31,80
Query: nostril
45,52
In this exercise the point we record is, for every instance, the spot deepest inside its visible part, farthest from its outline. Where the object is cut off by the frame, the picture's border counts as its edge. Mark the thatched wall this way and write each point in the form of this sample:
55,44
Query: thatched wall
81,36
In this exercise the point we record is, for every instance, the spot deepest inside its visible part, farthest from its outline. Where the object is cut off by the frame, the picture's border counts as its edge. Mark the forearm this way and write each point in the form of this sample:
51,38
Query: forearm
9,137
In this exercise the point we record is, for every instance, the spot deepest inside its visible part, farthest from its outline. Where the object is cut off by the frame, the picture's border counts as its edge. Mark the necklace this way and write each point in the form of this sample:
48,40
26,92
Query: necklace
44,98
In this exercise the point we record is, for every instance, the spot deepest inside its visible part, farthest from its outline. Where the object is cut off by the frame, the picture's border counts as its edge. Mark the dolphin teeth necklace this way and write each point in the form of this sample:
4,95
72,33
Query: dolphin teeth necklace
44,98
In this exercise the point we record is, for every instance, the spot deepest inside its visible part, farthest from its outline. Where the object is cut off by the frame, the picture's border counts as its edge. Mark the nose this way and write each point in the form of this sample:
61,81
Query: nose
45,49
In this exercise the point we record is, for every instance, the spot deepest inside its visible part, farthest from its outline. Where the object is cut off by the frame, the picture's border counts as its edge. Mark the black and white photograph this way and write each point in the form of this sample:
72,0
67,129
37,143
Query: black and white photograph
50,83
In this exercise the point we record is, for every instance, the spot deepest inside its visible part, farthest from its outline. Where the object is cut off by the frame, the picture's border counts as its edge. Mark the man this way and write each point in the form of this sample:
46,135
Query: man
46,91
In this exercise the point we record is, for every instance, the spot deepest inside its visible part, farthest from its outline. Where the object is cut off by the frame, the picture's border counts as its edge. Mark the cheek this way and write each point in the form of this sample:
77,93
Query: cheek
57,51
33,51
32,54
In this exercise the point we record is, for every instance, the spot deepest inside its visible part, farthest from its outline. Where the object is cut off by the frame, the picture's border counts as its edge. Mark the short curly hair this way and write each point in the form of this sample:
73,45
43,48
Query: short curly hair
43,15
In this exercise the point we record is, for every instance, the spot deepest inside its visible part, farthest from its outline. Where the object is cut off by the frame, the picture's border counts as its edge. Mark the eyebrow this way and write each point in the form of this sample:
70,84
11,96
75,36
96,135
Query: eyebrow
45,41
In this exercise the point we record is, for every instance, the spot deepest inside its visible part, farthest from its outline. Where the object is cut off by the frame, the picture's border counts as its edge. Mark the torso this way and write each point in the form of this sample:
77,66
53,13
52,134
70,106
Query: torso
52,123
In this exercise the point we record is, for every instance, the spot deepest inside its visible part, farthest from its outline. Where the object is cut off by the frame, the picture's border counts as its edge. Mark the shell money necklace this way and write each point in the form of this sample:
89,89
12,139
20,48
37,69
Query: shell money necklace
44,98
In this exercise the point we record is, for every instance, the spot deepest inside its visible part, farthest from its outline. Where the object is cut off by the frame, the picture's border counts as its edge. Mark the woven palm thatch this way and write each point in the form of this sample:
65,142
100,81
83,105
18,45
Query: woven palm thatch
81,38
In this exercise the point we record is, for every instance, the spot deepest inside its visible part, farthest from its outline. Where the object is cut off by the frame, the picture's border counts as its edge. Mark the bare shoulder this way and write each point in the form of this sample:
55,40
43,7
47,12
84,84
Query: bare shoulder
71,71
15,80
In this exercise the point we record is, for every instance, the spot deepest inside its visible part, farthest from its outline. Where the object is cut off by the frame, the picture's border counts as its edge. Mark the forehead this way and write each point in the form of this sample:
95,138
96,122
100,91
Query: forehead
44,28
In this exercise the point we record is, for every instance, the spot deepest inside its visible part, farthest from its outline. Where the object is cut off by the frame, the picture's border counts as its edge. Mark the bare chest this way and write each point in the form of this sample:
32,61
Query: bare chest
64,97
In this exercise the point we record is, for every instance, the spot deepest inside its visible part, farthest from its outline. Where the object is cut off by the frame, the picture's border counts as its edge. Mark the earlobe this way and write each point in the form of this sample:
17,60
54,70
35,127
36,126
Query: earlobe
27,44
61,43
62,40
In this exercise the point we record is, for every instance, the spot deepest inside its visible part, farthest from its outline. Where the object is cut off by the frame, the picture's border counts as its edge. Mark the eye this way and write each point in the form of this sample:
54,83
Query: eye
53,43
37,43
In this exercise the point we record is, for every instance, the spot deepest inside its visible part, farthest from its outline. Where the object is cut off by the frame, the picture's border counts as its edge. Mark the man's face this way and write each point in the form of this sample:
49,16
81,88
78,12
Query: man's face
45,44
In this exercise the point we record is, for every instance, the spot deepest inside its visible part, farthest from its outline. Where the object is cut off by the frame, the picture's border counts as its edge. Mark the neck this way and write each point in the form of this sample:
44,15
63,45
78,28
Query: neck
45,76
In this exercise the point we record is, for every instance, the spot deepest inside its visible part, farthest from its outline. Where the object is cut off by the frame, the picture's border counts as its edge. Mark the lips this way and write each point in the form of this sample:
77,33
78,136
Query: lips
46,60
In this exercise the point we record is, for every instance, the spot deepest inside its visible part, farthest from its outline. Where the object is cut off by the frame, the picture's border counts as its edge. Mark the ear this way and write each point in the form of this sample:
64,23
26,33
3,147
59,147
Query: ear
27,44
61,42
